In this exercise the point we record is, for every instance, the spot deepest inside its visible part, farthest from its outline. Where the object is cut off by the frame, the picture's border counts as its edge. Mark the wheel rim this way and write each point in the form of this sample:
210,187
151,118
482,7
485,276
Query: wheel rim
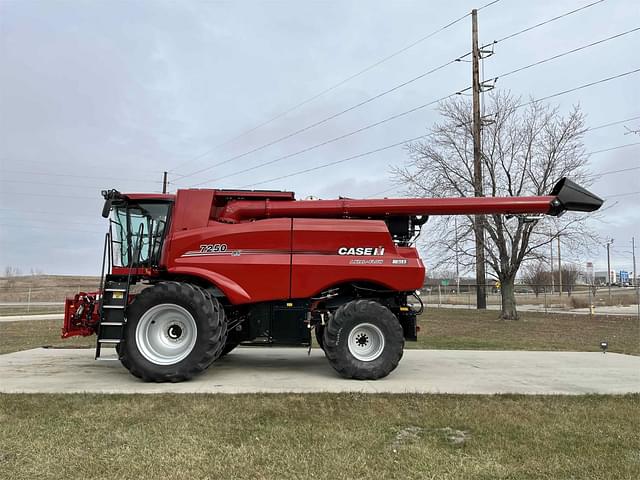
166,334
366,342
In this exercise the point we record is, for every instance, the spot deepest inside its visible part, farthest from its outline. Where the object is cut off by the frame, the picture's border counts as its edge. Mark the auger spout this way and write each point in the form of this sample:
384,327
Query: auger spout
566,195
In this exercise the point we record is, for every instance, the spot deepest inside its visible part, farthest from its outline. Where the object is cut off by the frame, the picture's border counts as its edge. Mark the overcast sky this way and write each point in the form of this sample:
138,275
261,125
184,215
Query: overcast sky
108,94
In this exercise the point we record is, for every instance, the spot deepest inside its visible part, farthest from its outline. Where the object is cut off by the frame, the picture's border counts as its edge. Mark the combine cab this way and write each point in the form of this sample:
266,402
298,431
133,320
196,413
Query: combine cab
189,277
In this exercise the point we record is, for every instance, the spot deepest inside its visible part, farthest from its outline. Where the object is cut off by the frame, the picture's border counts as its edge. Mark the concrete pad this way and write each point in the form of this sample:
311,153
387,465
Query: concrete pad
252,370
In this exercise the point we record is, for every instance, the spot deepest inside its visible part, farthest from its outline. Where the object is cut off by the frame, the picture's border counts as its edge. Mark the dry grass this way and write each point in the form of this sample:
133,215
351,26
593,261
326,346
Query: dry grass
472,329
27,334
338,436
45,288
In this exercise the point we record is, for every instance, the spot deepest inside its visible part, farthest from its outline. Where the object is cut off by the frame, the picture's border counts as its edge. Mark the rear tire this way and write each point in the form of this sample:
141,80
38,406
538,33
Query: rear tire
173,332
228,348
364,340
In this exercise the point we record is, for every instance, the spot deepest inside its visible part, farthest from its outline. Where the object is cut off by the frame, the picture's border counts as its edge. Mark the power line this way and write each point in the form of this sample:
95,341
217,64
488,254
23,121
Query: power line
49,163
324,165
386,92
586,85
615,148
624,194
537,25
72,175
335,86
338,84
610,172
571,90
568,52
395,187
612,123
589,129
47,195
49,228
322,121
335,139
52,220
284,157
517,106
42,212
599,174
66,185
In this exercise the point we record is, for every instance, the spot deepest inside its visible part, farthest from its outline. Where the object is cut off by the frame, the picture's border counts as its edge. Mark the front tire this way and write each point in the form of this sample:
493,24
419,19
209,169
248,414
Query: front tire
364,340
173,332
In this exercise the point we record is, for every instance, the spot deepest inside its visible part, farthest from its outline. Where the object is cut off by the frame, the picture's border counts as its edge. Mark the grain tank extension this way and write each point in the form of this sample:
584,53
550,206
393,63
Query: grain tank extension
188,277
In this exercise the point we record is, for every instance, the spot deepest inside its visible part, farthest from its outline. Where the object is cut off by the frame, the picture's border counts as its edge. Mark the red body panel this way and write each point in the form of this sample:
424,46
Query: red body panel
268,260
317,264
255,265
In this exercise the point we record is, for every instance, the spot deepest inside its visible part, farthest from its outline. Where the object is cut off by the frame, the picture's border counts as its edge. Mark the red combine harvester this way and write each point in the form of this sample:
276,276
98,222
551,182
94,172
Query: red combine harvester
188,277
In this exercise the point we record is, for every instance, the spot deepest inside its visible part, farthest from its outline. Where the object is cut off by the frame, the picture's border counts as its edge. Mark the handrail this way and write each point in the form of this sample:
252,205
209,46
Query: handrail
107,243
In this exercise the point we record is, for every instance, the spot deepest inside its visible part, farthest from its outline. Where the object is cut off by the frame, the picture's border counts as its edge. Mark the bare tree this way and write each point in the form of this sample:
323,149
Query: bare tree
570,275
526,148
10,271
537,276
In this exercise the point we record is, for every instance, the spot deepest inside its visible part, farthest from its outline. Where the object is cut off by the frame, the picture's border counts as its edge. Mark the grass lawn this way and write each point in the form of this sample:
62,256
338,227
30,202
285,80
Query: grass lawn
26,334
337,436
440,328
482,330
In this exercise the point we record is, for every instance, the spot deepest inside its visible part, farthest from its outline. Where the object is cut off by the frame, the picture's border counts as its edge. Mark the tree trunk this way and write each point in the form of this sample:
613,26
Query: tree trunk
507,292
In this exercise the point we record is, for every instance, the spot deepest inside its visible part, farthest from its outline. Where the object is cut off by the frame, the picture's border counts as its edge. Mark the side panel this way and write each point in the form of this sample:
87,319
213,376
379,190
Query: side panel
256,256
327,252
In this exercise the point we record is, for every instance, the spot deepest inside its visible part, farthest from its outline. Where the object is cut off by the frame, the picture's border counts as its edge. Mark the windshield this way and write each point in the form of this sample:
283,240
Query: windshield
138,231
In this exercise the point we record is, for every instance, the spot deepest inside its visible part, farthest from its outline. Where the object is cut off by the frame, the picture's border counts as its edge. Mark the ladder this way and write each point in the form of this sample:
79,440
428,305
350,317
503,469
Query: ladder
112,313
115,295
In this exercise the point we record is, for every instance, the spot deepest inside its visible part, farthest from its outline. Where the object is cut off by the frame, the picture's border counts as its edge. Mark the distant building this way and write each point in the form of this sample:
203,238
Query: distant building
600,278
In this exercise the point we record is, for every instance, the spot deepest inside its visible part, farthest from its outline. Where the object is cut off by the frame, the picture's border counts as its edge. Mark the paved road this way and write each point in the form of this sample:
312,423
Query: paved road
33,304
249,370
43,316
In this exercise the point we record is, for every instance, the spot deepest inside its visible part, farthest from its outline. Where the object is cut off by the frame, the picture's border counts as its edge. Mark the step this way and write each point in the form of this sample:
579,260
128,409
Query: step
111,324
118,307
109,340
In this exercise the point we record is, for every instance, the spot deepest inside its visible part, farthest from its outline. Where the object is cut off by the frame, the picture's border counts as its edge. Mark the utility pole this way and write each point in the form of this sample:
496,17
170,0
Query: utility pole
559,268
553,286
634,280
455,220
164,182
635,274
481,298
609,242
